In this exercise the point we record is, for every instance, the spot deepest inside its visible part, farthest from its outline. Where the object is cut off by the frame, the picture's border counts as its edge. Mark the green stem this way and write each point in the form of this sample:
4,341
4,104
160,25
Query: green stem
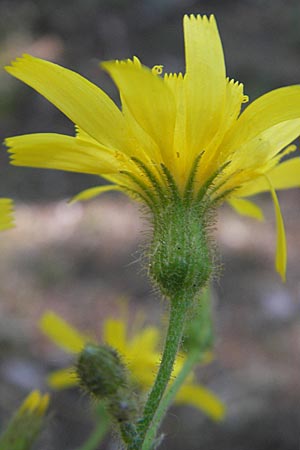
179,308
193,359
100,431
128,432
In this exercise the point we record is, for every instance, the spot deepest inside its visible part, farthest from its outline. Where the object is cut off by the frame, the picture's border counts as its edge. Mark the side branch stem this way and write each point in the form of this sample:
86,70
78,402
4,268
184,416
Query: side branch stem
169,397
102,427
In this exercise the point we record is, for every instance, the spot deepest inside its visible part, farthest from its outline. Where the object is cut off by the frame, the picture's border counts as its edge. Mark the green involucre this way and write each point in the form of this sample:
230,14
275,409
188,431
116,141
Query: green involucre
180,258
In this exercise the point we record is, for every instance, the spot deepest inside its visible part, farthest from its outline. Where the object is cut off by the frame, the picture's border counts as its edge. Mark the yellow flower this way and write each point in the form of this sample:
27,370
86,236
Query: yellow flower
24,427
6,217
183,128
35,404
139,352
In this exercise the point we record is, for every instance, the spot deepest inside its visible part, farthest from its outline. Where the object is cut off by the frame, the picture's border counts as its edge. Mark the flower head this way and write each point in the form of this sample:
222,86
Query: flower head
26,424
35,403
180,134
6,216
140,353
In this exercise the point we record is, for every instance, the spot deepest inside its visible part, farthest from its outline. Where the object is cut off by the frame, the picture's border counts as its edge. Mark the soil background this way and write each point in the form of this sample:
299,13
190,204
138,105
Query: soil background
81,260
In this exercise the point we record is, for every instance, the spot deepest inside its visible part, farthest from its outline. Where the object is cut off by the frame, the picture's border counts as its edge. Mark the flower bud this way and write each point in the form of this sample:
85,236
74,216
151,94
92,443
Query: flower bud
102,374
26,424
100,370
180,261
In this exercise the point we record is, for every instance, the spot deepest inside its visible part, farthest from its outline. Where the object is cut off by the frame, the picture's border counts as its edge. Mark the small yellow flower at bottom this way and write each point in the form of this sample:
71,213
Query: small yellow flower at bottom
140,353
35,403
26,424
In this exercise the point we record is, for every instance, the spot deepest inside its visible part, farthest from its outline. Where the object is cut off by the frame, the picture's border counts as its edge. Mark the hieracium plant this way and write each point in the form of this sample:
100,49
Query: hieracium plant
180,146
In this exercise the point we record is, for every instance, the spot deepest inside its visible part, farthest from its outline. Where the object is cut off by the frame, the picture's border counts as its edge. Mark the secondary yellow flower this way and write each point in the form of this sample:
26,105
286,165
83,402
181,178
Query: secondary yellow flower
139,352
35,403
25,425
6,215
182,130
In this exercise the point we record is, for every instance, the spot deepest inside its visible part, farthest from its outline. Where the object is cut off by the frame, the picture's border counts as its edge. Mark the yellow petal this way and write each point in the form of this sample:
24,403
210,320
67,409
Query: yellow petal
82,135
87,194
149,100
267,111
62,333
258,151
205,81
62,379
43,405
34,403
285,175
213,156
147,339
246,208
143,365
182,157
143,371
31,402
114,334
79,99
281,250
145,147
202,398
57,151
6,214
234,97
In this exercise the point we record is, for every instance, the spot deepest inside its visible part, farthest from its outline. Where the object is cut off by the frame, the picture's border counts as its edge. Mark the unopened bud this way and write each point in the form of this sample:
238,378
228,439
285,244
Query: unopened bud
26,424
102,374
100,370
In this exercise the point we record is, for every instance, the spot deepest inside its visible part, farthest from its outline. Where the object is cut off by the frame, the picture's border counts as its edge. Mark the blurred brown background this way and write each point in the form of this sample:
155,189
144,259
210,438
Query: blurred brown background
79,260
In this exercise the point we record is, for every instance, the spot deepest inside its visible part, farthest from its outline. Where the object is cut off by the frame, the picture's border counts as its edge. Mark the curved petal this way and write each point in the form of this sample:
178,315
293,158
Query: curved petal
205,81
79,99
62,379
202,398
93,192
281,250
246,208
267,111
57,151
259,151
285,175
62,333
6,214
149,100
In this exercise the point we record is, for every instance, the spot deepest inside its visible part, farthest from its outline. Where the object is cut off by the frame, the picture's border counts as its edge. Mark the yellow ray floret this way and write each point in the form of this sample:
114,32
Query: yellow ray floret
6,214
184,130
140,352
35,403
62,333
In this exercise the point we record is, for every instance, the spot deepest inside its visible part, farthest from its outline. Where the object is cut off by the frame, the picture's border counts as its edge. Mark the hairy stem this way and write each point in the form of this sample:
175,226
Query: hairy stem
179,308
167,400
